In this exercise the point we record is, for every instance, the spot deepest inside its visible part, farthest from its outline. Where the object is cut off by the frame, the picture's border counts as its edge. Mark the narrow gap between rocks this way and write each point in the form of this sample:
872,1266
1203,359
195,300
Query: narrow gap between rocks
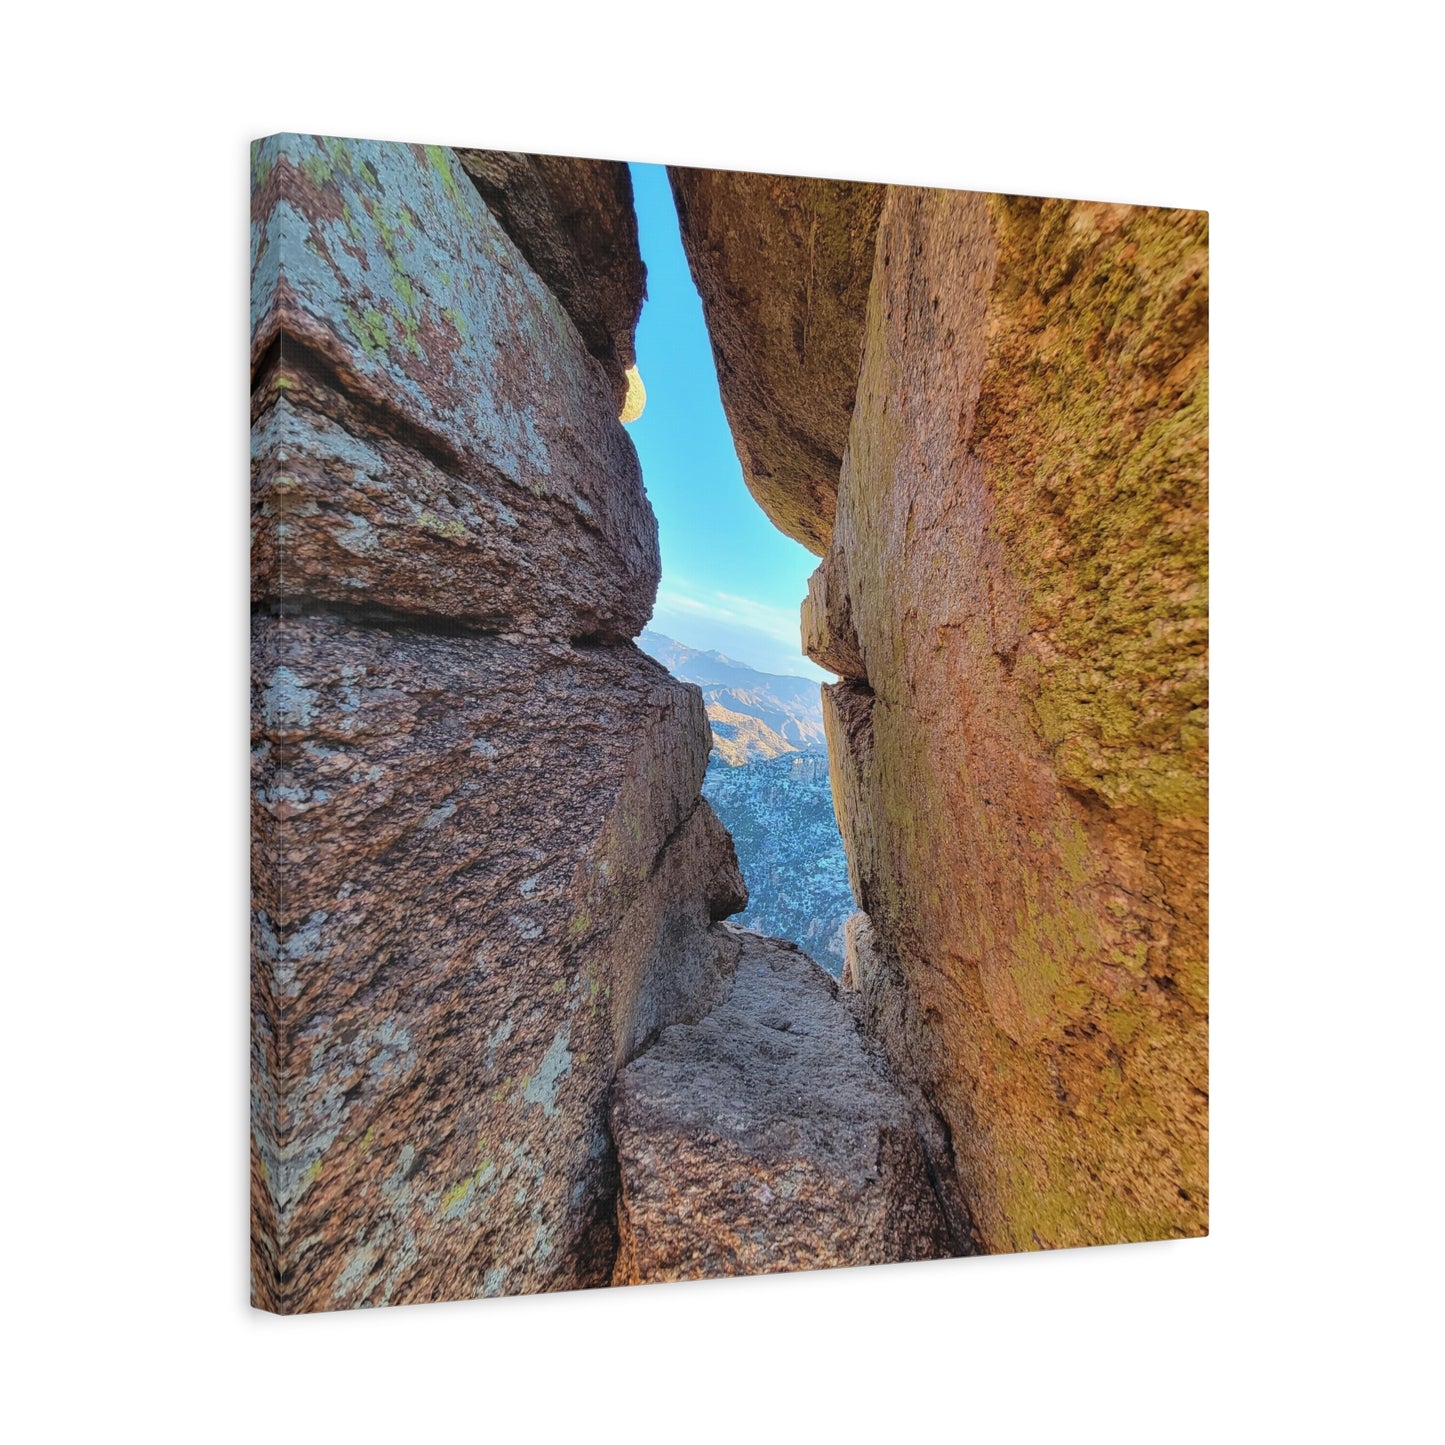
774,1118
727,616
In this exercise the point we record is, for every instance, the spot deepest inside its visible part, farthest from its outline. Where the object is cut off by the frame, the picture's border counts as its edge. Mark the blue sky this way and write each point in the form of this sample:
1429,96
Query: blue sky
730,580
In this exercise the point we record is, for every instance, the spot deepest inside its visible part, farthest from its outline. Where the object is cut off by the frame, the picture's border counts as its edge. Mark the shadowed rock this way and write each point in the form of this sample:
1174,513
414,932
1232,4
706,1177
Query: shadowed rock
574,222
782,265
768,1136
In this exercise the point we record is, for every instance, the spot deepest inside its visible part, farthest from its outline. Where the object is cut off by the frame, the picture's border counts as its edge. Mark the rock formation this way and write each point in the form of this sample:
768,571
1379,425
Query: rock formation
489,962
782,267
483,873
1013,595
768,1136
573,222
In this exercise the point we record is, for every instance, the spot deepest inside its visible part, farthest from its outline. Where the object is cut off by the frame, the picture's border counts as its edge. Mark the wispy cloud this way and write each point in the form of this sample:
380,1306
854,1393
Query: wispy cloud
761,634
779,623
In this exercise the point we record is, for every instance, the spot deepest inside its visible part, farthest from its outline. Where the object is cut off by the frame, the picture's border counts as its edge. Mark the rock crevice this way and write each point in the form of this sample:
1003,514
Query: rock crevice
781,264
502,1039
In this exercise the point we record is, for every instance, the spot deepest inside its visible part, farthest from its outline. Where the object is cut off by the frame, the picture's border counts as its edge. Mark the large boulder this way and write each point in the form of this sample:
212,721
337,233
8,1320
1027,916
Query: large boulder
574,222
1014,598
483,875
1016,593
487,880
431,434
782,264
768,1136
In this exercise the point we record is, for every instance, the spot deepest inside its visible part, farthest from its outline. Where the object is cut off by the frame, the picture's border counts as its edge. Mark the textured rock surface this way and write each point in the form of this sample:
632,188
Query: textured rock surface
829,636
1020,558
782,264
768,1137
574,222
498,882
1014,599
431,435
483,874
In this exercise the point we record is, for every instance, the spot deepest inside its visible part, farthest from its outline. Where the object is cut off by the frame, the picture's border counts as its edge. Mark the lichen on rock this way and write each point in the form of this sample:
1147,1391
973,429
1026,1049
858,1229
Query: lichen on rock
431,435
483,873
1013,594
574,222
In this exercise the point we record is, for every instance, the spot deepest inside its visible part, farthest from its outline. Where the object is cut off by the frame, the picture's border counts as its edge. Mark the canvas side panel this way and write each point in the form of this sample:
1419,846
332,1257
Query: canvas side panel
269,1027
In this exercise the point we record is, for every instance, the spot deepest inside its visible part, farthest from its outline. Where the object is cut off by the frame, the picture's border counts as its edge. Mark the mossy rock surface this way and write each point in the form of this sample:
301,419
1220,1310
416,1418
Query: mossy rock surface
1017,586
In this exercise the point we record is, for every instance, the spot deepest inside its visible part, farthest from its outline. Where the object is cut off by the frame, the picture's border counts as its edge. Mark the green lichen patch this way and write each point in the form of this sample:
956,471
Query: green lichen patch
452,528
317,169
369,329
440,162
1094,423
261,165
1022,535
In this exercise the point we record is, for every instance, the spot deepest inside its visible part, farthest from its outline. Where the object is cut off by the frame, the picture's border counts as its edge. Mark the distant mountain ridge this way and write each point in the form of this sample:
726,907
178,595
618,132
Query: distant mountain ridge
754,715
768,781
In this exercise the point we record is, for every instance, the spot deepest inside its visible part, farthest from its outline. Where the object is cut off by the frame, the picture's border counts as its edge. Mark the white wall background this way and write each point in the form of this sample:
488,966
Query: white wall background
1310,1312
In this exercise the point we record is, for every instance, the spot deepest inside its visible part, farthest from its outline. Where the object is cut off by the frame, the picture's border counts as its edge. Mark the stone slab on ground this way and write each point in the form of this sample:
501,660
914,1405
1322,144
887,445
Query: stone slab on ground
768,1137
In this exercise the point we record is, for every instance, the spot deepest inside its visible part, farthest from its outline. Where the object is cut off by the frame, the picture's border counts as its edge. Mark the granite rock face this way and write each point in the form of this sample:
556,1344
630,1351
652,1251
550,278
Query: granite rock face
1014,599
573,221
782,265
432,438
487,896
768,1137
483,874
1021,554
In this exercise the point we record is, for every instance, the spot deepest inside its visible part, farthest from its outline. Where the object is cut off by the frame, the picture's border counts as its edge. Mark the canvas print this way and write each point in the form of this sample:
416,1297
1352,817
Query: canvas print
729,723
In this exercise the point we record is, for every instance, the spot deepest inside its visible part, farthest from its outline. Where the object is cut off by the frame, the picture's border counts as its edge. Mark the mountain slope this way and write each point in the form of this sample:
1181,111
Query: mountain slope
789,708
738,739
780,814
